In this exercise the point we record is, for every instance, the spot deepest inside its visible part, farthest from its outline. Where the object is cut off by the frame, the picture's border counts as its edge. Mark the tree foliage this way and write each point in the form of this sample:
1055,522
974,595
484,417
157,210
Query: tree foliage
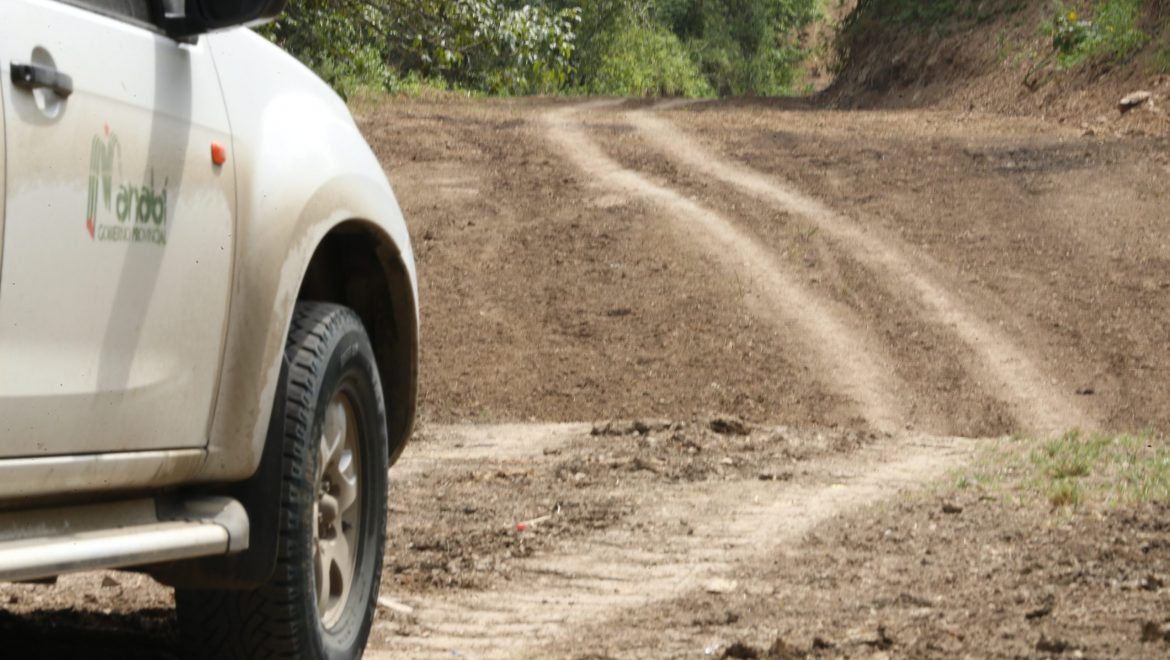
633,47
477,44
744,47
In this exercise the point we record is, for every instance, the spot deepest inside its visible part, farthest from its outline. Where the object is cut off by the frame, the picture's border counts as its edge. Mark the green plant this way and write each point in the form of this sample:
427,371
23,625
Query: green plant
476,44
1001,46
1160,62
629,47
1069,456
1113,32
1070,33
1075,470
645,60
1062,463
743,47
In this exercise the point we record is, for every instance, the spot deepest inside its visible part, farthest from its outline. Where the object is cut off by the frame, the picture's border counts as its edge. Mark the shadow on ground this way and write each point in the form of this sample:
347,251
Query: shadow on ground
71,633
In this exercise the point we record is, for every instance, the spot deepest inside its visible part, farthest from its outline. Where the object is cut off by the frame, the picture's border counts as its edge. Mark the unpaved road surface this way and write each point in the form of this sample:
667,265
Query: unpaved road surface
804,318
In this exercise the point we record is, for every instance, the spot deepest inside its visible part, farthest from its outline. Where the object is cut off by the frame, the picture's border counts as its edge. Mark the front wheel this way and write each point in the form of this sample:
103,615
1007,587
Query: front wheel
320,601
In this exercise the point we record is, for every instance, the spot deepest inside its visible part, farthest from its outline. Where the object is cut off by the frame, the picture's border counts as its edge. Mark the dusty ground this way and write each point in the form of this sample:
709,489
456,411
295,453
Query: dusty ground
805,311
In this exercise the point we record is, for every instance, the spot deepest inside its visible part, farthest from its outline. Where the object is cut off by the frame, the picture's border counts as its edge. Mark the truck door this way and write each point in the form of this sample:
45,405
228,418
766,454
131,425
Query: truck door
115,270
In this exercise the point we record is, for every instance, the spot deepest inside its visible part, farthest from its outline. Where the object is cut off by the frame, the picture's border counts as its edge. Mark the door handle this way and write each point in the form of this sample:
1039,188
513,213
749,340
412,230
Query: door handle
35,76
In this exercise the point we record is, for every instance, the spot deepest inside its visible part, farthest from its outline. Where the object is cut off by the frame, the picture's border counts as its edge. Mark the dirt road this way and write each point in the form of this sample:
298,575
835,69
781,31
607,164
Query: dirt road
970,273
801,315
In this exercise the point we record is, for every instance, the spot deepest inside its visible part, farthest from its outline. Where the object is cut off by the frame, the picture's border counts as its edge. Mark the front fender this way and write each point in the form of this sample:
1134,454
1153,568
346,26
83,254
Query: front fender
303,169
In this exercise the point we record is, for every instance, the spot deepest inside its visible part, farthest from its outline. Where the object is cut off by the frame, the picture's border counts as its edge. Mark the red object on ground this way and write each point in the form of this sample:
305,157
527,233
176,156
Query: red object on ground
218,153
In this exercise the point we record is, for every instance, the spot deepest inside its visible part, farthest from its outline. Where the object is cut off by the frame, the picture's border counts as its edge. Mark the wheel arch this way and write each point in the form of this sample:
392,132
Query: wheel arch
358,266
345,242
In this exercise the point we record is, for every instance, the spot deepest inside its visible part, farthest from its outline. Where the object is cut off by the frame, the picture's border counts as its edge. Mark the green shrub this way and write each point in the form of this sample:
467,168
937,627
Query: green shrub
644,60
340,47
475,44
1107,28
628,47
743,47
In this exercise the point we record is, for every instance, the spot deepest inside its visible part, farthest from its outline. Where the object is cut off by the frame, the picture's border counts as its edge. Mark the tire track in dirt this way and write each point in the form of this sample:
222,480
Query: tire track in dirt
849,361
728,524
1016,380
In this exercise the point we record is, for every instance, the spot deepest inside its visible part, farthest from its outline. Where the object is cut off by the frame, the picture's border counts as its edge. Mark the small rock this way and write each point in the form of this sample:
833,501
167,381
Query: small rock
720,586
782,650
395,606
910,600
1040,612
882,642
109,582
1133,100
642,465
1086,391
613,427
741,651
645,426
951,508
729,426
622,427
1150,583
1046,645
1152,632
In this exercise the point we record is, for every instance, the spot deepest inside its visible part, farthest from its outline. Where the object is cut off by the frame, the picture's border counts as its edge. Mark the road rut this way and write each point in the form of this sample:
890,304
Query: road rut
1027,391
850,362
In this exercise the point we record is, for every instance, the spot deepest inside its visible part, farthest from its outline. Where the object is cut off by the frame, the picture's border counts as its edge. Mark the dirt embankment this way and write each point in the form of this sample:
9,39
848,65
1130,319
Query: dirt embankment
999,56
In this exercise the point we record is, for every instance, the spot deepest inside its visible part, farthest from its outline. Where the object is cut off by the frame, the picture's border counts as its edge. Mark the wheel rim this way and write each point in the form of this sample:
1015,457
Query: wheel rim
337,509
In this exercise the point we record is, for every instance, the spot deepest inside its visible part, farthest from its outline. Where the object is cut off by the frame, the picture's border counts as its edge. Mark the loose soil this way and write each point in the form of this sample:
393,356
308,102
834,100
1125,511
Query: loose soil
960,574
687,368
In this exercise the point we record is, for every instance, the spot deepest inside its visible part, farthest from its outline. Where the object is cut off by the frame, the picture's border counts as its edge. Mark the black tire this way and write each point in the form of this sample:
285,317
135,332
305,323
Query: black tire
331,368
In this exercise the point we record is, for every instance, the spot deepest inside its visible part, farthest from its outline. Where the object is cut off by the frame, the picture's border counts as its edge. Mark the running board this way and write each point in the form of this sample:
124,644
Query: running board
48,542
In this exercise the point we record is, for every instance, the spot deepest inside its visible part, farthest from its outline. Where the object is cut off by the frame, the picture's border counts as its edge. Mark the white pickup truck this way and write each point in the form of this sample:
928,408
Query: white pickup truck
208,322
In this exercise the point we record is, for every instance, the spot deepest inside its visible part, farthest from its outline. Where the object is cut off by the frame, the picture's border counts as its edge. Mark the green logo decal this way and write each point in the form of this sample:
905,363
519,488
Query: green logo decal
138,214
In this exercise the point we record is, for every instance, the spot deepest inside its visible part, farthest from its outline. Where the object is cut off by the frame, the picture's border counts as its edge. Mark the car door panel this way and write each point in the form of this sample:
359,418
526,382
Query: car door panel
117,251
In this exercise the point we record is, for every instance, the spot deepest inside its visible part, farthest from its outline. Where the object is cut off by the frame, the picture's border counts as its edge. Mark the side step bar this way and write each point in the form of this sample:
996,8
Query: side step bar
48,542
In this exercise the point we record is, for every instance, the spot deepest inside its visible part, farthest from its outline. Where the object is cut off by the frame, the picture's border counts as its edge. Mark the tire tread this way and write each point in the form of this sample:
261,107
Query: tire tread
266,623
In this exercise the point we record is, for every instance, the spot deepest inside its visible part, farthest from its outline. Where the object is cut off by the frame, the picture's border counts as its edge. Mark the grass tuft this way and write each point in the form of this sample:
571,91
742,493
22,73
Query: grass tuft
1075,470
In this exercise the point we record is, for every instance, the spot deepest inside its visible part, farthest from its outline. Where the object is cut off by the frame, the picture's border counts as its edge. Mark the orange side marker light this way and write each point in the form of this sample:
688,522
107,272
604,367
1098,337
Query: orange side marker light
218,153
